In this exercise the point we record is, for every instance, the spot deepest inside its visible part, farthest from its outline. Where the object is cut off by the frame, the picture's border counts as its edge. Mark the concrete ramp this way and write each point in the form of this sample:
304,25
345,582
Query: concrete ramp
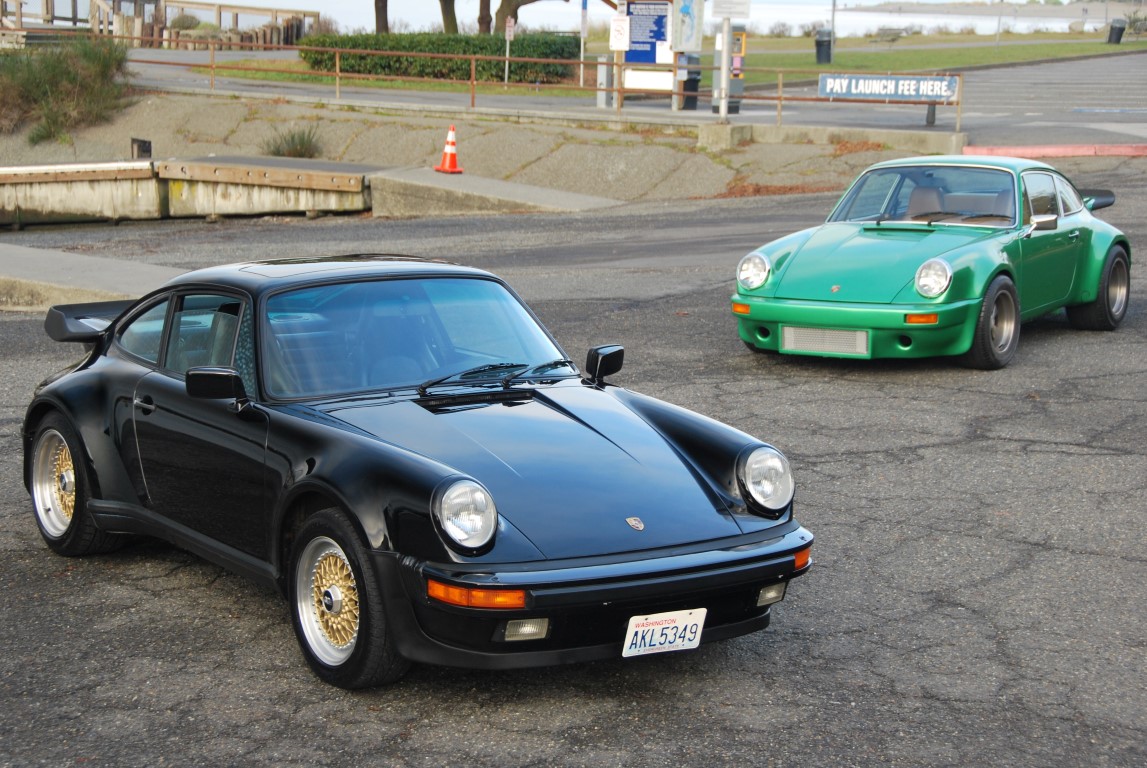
258,186
412,192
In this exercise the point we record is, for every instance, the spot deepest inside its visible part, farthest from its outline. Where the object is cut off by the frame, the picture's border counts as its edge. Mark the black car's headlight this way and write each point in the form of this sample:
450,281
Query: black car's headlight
766,476
466,513
753,271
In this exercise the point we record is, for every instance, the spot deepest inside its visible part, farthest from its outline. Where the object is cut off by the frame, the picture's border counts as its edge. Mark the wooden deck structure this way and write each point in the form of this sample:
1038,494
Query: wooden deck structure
125,17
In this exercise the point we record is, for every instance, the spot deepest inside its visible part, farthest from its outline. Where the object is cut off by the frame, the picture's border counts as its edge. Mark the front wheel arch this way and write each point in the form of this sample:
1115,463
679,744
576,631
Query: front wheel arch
996,335
337,608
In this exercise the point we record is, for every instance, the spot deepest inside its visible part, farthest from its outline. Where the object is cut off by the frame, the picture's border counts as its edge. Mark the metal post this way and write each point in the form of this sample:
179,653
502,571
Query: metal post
726,50
617,73
780,96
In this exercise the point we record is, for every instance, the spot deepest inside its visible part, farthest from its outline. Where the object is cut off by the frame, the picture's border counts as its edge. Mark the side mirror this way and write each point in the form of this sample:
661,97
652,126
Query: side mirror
216,384
604,361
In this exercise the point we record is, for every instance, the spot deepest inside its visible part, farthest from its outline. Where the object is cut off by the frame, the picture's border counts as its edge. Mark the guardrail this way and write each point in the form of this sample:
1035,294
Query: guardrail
770,88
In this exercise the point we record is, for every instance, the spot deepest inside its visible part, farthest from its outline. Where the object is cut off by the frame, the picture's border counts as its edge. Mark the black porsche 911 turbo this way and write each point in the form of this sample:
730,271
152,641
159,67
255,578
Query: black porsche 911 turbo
402,448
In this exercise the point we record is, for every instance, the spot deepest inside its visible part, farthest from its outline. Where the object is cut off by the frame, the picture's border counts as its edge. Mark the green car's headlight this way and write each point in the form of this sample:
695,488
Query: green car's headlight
753,271
466,513
766,475
933,278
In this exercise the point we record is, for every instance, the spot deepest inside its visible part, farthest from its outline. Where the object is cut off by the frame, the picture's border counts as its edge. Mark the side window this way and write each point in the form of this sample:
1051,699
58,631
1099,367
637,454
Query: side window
1069,200
1039,195
203,332
143,335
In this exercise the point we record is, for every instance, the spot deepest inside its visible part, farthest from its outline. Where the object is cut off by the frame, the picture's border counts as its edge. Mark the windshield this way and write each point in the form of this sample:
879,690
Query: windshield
932,194
349,337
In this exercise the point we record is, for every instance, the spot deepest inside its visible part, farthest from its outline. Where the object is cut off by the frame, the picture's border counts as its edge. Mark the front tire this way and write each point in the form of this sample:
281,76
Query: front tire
61,490
997,328
337,607
1111,296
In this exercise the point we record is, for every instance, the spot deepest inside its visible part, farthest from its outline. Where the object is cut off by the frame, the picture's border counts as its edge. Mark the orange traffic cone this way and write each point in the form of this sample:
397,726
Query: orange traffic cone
449,155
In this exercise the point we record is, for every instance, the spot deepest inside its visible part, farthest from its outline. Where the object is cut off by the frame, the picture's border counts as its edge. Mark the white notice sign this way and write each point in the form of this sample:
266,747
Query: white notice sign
619,33
731,9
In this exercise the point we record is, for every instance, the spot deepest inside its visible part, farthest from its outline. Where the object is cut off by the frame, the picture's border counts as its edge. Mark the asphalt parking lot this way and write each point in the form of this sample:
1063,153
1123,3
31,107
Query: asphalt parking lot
979,580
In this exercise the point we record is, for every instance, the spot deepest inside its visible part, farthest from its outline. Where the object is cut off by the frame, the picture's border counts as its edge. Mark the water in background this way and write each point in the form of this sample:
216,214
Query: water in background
853,23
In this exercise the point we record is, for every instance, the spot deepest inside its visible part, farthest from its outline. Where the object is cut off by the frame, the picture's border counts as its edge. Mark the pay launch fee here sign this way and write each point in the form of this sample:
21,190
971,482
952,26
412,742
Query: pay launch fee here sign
926,89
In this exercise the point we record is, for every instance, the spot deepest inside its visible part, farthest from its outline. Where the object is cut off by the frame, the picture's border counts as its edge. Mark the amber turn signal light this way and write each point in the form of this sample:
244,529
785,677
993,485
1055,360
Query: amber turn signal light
740,309
802,558
476,598
930,319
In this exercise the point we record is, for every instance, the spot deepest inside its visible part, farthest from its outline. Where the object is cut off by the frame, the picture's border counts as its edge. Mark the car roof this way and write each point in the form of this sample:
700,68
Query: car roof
1013,164
257,277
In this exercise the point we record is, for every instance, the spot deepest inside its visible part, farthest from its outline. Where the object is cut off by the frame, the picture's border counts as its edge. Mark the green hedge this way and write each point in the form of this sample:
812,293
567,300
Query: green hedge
563,47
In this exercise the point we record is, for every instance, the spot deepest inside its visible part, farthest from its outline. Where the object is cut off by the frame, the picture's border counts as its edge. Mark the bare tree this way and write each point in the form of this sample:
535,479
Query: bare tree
509,9
449,17
381,19
484,17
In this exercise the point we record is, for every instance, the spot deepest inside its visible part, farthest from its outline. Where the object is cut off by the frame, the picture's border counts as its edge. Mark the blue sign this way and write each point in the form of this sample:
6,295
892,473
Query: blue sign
648,26
926,89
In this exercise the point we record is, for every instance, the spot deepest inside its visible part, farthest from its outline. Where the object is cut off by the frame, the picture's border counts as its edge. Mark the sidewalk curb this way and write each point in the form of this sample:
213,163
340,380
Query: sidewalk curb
1068,150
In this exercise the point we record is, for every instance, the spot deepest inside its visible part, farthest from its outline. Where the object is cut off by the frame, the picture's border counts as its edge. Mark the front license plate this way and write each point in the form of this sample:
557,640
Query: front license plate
661,632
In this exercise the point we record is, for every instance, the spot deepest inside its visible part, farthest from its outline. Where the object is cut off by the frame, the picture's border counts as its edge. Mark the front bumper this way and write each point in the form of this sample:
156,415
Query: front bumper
762,322
588,602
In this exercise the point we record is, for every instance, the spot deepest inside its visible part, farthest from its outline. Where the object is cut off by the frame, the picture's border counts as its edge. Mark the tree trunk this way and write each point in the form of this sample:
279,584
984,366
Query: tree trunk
484,17
509,9
381,20
449,17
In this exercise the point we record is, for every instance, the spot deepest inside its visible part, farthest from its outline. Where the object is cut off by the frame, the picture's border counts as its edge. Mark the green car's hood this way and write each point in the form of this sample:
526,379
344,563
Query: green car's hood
867,263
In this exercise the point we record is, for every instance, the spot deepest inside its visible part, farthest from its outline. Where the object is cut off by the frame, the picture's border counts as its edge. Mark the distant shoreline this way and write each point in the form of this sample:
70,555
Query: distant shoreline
1092,12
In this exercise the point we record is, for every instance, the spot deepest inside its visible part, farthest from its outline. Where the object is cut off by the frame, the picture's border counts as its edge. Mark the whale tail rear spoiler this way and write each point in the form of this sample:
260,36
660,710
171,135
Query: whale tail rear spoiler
83,322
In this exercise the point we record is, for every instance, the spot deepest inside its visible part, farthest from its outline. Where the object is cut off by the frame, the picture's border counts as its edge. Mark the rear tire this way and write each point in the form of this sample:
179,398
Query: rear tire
61,490
337,608
1111,296
997,328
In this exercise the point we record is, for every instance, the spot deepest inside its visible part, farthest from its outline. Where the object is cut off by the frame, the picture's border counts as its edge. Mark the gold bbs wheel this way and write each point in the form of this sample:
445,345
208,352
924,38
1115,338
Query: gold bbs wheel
54,483
327,601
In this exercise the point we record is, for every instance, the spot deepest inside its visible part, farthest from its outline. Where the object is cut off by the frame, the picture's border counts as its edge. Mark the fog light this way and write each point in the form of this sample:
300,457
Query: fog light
774,593
527,629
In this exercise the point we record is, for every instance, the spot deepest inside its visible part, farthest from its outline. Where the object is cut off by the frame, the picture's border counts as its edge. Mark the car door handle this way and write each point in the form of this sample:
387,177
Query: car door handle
1073,235
145,404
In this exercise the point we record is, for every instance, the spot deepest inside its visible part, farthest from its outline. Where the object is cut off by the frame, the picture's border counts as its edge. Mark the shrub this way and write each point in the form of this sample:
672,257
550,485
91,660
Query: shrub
563,47
296,142
78,83
780,29
184,22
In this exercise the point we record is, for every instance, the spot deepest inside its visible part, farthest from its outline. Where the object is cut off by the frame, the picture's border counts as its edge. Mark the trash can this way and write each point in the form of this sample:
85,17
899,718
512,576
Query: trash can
824,46
1115,32
692,82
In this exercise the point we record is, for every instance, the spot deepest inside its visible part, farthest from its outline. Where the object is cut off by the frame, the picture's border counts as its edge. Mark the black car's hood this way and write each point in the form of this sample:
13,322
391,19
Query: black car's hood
567,465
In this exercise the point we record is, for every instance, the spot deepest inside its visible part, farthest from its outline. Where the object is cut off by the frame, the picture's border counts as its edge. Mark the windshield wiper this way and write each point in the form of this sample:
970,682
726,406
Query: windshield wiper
933,216
424,386
506,381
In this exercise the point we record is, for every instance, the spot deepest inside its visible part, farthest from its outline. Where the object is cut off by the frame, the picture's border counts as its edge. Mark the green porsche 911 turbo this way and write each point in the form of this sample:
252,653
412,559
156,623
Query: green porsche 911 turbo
933,256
